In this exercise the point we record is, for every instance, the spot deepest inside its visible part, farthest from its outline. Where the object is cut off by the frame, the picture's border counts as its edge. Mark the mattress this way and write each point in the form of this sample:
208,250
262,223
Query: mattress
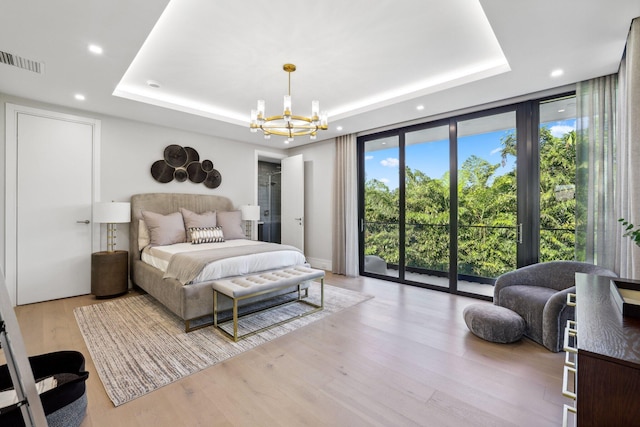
159,256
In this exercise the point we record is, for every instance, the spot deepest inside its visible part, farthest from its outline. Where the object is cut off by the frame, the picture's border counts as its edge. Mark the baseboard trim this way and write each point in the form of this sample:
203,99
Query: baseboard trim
322,264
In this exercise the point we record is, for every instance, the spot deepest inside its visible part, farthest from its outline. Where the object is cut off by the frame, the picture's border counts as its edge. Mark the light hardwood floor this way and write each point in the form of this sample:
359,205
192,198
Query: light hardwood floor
403,358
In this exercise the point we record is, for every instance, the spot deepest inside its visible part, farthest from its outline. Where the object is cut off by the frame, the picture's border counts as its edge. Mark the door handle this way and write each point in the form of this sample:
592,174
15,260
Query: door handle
86,221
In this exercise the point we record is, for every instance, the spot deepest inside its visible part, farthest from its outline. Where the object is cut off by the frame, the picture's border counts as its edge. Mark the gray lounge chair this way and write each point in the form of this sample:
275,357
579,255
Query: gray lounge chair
538,293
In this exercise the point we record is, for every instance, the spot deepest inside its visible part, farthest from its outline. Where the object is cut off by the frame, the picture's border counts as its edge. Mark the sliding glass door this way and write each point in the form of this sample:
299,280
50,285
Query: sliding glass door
488,230
426,206
456,203
557,146
380,220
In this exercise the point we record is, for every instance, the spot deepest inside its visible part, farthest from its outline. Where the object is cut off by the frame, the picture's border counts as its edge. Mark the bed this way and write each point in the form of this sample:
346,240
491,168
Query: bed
186,289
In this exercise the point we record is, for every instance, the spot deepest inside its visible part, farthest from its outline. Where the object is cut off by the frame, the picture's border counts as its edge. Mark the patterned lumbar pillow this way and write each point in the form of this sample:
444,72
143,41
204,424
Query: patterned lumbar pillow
206,235
193,220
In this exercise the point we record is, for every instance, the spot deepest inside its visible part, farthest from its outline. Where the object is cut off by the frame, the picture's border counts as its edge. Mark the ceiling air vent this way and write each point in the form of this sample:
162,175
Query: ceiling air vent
20,62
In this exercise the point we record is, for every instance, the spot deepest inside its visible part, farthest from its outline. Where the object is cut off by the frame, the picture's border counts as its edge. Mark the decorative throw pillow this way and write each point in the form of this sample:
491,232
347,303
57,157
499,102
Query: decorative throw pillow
231,223
165,229
192,220
206,235
143,235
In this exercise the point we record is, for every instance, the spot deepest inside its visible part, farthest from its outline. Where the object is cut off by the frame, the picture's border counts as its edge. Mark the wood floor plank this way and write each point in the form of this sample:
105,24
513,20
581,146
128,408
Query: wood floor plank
404,357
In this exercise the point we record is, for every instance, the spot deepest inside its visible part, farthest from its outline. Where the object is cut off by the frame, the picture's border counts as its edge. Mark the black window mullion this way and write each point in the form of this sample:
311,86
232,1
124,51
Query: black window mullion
534,185
528,200
453,206
361,198
401,207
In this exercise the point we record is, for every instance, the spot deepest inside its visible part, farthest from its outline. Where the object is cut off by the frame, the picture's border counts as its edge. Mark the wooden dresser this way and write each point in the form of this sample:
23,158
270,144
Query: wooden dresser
608,357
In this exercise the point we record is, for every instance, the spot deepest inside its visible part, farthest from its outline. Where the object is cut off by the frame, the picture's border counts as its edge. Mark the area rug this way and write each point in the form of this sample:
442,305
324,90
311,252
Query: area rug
138,346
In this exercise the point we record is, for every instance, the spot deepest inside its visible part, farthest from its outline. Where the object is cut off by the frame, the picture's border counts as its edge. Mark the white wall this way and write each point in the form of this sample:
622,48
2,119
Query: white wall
129,148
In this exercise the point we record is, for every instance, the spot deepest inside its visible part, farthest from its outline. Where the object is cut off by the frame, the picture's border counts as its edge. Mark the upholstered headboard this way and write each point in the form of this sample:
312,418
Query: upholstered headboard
166,203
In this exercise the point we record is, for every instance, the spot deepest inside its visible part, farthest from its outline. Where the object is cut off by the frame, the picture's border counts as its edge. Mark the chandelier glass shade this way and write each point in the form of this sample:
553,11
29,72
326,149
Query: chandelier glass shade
289,124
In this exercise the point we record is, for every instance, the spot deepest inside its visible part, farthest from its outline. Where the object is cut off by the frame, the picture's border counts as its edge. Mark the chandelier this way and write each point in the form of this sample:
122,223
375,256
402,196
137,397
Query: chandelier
288,124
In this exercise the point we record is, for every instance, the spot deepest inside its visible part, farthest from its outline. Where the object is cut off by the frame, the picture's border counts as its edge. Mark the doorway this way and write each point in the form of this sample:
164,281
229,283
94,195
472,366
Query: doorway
279,191
269,200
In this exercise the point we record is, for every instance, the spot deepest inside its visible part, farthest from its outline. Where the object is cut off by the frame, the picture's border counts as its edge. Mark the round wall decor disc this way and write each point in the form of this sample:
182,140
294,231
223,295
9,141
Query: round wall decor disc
213,179
162,172
175,156
196,173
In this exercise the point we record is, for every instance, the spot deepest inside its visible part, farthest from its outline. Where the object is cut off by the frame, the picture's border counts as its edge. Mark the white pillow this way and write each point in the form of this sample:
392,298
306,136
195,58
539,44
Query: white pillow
231,223
165,229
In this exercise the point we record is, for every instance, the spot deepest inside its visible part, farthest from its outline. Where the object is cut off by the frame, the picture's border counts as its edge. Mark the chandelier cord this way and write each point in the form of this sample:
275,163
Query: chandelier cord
289,124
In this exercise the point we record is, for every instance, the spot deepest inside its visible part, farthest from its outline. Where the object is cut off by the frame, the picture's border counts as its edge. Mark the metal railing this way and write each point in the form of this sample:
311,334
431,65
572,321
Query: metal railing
484,251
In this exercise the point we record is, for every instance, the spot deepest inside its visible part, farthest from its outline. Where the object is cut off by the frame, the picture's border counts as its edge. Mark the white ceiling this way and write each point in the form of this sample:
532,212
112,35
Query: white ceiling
369,63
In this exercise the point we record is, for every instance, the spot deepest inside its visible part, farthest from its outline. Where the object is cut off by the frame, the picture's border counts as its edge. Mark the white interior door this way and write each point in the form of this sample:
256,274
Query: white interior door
53,201
292,202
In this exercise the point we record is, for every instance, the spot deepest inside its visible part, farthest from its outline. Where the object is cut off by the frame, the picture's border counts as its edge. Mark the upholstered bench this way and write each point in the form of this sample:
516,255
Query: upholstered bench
242,287
494,323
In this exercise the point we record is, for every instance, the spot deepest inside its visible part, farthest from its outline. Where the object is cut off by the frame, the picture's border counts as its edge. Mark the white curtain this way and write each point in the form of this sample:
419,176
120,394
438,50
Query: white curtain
345,212
596,219
608,164
628,154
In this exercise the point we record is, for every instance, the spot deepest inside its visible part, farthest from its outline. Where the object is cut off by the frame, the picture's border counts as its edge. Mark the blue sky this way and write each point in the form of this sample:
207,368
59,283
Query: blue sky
433,158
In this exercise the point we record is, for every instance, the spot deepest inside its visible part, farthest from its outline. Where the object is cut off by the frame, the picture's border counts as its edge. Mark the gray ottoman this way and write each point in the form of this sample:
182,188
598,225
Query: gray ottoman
494,323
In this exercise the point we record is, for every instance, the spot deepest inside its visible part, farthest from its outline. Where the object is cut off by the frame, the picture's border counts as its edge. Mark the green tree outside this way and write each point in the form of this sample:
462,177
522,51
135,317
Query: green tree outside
486,212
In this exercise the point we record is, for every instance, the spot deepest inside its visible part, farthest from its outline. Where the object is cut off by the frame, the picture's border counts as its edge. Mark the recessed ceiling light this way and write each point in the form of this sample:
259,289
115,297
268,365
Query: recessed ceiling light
153,83
420,107
561,110
339,128
79,97
557,73
94,48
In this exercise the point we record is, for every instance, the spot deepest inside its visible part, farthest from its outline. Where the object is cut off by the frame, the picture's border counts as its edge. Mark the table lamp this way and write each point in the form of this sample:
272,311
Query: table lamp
250,213
111,213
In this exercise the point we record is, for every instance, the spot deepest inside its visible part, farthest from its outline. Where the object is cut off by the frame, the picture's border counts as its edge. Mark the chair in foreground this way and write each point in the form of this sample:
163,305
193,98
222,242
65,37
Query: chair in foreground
538,293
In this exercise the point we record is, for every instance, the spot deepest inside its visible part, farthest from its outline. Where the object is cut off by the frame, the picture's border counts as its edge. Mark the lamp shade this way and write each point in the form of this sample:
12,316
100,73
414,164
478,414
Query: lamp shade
250,212
112,212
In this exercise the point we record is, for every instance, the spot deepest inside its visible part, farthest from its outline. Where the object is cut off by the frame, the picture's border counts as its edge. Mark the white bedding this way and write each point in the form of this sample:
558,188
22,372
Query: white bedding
158,256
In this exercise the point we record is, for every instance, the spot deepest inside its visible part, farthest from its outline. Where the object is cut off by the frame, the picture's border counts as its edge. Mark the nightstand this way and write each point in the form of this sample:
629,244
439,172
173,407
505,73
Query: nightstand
109,273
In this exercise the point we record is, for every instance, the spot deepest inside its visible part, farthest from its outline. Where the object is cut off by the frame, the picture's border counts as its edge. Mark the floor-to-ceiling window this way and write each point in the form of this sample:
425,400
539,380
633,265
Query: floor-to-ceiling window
426,202
455,203
487,221
557,178
381,230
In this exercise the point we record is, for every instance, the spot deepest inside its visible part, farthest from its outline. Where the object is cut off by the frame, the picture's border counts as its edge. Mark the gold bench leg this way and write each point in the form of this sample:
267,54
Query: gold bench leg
235,320
215,308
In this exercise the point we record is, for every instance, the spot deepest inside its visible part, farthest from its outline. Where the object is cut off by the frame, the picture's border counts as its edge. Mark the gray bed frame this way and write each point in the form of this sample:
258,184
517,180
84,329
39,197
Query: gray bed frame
189,302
